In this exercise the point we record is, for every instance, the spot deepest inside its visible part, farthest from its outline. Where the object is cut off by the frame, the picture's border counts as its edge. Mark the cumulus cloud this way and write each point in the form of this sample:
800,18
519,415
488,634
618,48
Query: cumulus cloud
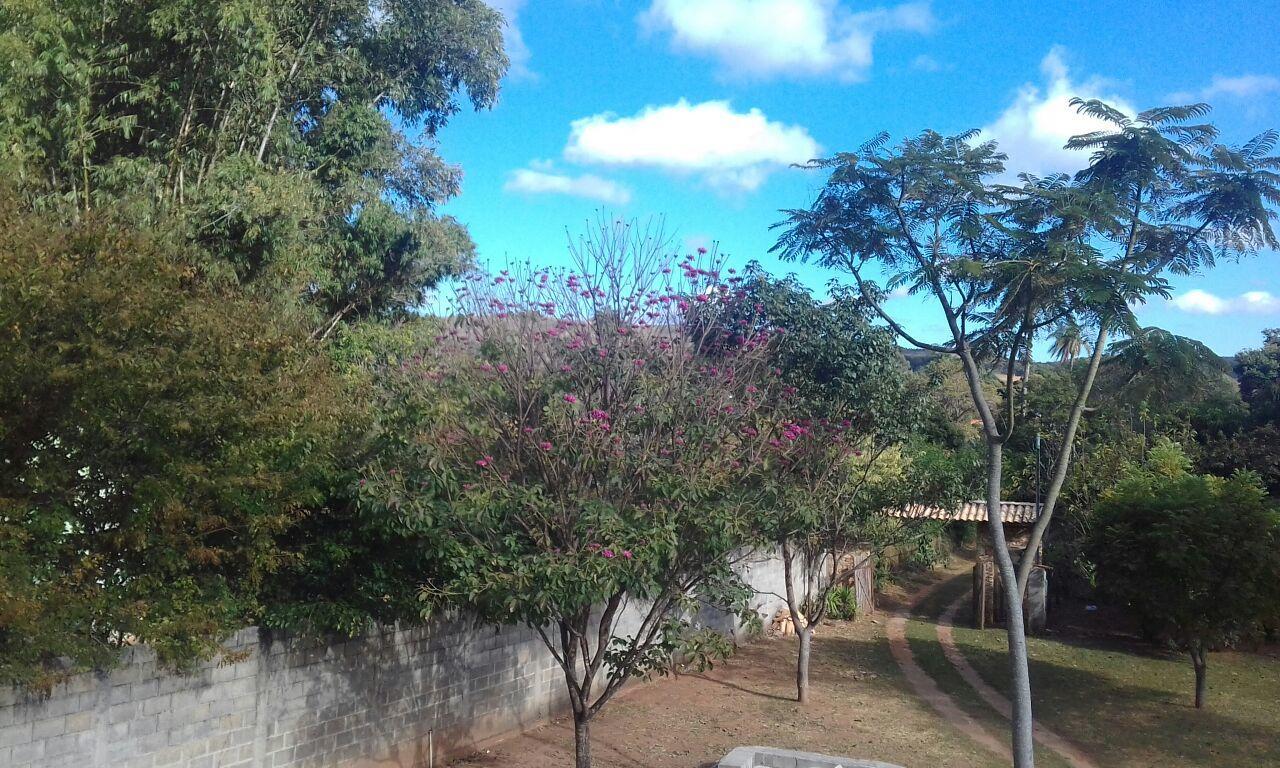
1240,87
731,151
512,39
1035,127
1200,302
798,38
541,179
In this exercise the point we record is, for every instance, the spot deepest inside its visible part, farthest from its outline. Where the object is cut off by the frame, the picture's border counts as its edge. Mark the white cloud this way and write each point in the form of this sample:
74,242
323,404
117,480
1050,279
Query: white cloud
764,38
540,179
1201,302
512,39
731,151
1259,302
1035,127
1241,87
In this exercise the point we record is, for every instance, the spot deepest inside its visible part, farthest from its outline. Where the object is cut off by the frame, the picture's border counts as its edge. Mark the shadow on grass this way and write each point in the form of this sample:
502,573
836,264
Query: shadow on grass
1115,699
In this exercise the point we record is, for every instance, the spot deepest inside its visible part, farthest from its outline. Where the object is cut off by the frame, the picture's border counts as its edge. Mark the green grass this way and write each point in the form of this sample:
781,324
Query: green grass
1127,705
923,638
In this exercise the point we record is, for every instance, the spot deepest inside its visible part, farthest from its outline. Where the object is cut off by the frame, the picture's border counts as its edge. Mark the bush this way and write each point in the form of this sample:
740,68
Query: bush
156,436
842,603
1195,557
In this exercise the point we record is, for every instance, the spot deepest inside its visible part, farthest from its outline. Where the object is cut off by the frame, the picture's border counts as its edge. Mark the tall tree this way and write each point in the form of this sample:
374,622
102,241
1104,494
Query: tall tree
1068,343
923,213
275,132
1005,263
1170,199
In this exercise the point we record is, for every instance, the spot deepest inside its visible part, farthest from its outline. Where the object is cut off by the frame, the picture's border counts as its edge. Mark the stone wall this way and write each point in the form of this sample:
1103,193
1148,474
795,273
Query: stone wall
385,699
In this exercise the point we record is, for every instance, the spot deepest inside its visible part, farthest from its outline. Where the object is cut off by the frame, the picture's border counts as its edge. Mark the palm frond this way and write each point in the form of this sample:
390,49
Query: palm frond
1158,116
1101,110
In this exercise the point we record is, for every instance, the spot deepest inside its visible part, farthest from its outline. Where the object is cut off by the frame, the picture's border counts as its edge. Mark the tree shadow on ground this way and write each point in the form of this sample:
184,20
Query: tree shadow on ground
742,688
1126,722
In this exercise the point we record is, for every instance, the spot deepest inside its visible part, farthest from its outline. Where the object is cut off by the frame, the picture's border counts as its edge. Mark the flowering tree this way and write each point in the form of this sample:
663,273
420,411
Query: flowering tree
594,461
838,463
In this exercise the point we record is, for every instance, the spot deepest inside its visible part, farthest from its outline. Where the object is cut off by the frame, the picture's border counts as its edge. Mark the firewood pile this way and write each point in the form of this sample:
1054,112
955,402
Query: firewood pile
783,624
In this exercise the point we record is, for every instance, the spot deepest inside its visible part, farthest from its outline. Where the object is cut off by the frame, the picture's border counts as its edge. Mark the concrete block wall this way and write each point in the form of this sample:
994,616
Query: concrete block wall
379,700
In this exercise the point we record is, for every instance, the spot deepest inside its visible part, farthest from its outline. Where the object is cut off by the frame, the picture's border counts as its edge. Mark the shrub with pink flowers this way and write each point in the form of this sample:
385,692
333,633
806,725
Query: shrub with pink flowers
594,458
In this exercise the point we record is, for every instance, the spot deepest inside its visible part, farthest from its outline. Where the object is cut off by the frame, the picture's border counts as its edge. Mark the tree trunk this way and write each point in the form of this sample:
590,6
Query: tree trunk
802,663
801,623
581,740
1201,665
1062,463
1020,695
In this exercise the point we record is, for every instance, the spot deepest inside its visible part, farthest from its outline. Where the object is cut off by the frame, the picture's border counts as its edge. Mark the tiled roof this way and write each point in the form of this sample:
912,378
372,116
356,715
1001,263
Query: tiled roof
973,512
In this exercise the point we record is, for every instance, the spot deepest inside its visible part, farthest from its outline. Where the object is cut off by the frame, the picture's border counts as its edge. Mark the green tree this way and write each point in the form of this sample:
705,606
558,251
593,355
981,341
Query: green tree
1068,343
1162,196
1251,442
1196,557
1259,374
1155,369
275,132
1006,263
839,464
156,435
926,215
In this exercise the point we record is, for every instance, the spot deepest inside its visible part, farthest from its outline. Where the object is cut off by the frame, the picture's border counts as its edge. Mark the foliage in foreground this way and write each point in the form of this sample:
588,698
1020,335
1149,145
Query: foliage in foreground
156,436
1195,557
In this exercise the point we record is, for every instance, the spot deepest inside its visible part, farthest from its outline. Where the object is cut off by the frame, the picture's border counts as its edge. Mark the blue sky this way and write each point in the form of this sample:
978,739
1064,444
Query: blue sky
691,110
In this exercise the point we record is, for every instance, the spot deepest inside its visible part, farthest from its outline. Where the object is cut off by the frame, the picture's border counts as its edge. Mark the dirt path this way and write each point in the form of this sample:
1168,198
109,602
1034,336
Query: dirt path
860,706
994,698
927,688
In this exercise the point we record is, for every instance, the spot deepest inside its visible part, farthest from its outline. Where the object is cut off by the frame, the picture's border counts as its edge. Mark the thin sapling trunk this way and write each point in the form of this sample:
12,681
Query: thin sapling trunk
1201,665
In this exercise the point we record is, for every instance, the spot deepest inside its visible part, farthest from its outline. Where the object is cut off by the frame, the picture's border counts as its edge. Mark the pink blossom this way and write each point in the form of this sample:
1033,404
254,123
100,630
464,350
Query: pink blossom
544,445
503,368
702,249
607,553
626,553
570,399
484,462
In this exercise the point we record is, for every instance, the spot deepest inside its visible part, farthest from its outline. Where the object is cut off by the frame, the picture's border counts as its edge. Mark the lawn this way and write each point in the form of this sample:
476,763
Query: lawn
1123,702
